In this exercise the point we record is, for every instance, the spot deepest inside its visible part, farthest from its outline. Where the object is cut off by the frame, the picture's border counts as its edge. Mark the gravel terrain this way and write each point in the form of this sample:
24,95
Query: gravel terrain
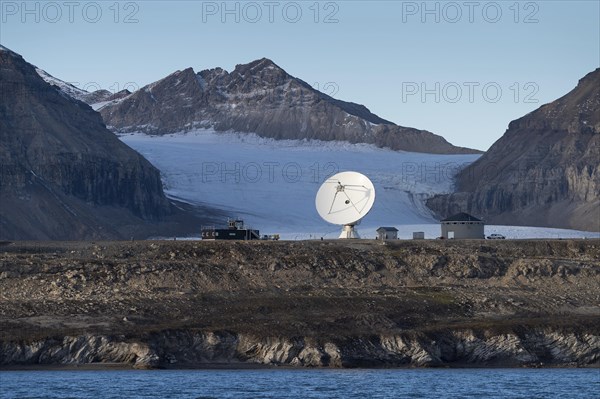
306,303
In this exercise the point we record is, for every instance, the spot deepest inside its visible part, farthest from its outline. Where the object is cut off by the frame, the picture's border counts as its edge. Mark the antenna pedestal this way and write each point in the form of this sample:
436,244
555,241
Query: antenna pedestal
348,231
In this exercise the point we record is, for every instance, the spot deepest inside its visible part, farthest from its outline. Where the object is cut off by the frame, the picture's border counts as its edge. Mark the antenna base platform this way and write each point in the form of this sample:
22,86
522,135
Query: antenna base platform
348,231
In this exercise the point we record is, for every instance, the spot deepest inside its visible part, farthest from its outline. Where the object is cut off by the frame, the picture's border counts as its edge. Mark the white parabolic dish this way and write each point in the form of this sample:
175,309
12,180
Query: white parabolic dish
345,198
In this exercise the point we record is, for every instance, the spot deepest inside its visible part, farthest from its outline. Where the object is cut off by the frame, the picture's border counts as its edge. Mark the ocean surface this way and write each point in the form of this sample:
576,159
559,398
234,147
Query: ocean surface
342,384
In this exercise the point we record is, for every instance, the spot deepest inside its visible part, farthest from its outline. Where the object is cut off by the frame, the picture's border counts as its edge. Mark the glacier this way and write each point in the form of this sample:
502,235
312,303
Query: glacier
271,184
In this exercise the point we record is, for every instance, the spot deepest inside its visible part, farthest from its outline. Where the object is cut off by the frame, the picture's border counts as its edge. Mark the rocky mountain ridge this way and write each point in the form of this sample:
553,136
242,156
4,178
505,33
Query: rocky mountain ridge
544,171
63,174
259,97
94,97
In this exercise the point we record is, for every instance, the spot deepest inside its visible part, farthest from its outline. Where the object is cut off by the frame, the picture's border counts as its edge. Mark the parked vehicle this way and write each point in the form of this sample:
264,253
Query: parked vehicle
496,237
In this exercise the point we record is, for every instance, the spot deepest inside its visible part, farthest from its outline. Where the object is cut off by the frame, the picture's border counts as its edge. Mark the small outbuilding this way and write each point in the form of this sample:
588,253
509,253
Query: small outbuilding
418,235
461,226
387,233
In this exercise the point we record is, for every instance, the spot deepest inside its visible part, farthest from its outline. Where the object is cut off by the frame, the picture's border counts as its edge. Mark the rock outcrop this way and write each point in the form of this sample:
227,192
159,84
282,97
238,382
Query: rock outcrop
63,175
260,98
544,171
180,348
306,304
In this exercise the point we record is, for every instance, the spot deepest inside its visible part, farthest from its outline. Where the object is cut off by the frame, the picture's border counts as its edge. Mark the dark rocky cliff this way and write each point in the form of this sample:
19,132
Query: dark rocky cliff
544,171
63,174
260,98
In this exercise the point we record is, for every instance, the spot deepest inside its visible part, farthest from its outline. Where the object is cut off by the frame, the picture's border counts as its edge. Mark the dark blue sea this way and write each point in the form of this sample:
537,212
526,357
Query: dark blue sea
342,384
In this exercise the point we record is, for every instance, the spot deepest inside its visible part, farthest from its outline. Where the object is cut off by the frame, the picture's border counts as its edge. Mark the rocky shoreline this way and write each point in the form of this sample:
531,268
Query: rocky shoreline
300,304
185,349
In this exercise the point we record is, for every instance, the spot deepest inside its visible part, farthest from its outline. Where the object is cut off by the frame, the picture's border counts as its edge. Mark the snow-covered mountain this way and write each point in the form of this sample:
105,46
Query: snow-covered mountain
271,182
260,98
257,143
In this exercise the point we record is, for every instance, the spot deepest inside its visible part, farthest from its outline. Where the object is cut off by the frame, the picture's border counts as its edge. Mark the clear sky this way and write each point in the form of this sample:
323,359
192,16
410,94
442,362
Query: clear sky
460,69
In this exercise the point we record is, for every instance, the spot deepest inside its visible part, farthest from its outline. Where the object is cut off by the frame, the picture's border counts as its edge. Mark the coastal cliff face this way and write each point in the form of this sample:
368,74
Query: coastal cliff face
481,347
544,171
262,98
309,304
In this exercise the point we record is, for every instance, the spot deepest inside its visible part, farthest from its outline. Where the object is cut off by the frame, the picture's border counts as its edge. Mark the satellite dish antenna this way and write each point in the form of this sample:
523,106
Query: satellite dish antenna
345,198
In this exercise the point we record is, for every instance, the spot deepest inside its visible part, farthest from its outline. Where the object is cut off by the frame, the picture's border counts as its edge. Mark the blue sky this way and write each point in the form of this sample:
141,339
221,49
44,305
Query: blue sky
460,69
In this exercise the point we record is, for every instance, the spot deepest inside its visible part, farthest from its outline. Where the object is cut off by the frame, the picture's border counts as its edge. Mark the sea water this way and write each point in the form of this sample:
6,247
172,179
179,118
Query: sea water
342,384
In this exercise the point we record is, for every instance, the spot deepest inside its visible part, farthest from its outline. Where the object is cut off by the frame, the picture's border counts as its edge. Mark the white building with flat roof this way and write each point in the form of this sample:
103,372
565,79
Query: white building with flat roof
463,226
387,233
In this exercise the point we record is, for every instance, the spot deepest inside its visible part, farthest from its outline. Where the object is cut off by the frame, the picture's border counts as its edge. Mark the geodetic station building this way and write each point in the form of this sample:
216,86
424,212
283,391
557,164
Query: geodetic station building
463,226
387,233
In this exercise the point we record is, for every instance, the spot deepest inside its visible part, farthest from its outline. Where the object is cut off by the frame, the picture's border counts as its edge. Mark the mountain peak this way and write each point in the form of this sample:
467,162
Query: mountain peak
173,79
9,51
259,67
178,73
261,63
260,97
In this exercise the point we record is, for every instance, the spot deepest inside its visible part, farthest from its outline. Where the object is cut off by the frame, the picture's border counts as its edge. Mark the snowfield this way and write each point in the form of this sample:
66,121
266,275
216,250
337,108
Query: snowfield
271,184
